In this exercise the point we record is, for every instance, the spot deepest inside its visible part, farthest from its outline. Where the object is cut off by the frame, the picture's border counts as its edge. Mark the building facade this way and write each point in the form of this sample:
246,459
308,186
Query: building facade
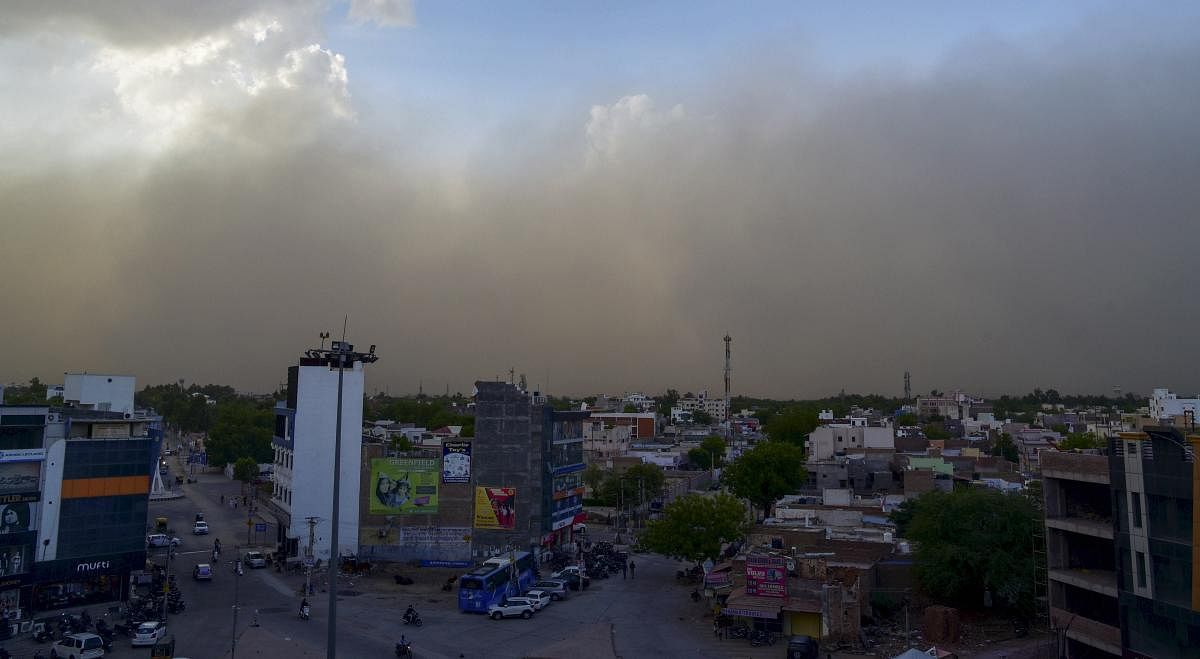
1155,477
74,489
304,439
1080,554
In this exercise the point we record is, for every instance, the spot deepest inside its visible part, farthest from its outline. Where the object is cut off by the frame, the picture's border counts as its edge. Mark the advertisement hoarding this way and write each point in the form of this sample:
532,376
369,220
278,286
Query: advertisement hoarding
20,477
456,462
766,576
496,508
403,486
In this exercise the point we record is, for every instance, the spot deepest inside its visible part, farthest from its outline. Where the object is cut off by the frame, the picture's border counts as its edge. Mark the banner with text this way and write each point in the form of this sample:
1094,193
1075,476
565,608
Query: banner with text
456,462
766,576
403,486
496,508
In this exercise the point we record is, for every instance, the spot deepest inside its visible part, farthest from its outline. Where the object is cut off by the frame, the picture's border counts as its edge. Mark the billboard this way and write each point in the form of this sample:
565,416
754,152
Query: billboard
496,508
403,486
456,462
18,517
20,477
766,576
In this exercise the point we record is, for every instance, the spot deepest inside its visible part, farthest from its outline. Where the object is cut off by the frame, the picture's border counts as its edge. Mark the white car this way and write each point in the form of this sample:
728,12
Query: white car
162,540
149,633
200,528
78,646
539,598
554,588
511,609
255,559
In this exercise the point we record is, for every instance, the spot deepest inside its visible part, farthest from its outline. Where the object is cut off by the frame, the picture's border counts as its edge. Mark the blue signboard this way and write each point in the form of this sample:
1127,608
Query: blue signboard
260,528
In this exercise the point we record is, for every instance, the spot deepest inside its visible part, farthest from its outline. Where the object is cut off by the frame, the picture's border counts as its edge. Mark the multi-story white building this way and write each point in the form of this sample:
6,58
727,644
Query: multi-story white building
840,438
99,392
304,448
1166,405
686,406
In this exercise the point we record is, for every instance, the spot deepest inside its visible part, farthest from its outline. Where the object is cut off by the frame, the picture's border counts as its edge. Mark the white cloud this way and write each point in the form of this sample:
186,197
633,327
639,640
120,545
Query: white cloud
385,13
612,130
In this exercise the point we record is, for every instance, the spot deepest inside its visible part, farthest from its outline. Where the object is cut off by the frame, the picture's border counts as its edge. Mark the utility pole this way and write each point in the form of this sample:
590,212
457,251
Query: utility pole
308,554
728,425
237,580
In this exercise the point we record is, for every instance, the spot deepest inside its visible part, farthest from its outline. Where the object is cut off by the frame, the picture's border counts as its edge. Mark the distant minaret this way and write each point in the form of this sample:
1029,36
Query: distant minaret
907,386
728,429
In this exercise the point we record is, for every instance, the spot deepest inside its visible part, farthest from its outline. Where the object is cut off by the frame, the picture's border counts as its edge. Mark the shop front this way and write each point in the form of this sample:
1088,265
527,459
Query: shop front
79,582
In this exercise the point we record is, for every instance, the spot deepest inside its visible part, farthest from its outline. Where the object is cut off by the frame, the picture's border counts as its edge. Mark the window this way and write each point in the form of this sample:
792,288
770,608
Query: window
1133,448
1141,570
1135,504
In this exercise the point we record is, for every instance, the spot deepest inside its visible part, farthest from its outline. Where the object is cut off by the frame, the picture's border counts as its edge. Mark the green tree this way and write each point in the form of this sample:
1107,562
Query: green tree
629,408
1006,448
793,425
974,540
1081,440
242,430
664,403
639,483
33,393
935,431
765,473
906,419
712,448
245,470
701,417
593,477
693,527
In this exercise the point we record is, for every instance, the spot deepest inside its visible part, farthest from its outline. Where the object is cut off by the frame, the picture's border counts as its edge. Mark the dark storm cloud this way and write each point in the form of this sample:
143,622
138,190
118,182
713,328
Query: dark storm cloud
1023,215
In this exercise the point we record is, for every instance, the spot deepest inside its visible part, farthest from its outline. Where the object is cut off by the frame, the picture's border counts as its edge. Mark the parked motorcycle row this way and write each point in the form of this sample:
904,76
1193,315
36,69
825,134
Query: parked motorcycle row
757,637
601,560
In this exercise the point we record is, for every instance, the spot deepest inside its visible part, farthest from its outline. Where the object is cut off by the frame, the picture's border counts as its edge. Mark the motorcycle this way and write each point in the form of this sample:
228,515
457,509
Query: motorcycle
305,612
741,631
696,596
413,619
761,638
404,649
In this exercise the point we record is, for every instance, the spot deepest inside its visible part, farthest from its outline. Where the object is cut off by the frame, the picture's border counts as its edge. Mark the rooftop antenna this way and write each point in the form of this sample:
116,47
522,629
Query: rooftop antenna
907,386
324,335
511,375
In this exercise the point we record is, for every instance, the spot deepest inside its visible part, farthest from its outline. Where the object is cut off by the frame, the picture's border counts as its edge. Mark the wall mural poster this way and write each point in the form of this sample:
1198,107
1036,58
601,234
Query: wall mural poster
18,517
496,508
14,560
402,486
456,462
19,477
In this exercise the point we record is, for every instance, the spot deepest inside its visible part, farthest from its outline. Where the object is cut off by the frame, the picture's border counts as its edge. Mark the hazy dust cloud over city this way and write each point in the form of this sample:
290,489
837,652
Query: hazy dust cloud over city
195,190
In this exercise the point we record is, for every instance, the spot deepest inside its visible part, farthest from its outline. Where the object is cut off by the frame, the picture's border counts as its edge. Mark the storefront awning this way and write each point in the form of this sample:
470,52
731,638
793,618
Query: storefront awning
742,605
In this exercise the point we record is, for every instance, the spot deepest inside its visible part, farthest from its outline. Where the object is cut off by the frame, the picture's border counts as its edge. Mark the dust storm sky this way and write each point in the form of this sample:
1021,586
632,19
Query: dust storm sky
195,190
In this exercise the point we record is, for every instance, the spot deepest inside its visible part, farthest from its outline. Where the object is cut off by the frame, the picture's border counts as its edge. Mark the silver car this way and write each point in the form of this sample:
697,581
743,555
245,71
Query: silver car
556,589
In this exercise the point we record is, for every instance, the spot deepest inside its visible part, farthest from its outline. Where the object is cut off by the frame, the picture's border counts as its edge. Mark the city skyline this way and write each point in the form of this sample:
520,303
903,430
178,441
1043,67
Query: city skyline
995,198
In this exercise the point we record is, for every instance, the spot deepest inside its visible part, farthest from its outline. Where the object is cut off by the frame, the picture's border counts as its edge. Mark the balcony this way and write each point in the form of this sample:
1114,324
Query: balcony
1097,528
1097,581
1087,631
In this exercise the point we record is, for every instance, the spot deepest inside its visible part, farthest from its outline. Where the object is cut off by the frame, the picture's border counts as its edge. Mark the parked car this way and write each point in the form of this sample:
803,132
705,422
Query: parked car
200,528
511,609
555,588
571,574
539,598
162,540
202,572
255,559
78,646
149,633
803,647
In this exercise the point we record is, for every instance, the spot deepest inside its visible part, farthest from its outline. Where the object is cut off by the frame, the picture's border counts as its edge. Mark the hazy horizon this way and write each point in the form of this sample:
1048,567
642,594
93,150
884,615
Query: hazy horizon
995,198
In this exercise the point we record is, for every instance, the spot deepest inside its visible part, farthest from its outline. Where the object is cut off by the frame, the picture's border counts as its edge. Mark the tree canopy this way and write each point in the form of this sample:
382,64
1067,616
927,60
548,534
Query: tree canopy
1081,440
765,473
242,430
793,425
693,527
712,448
33,393
970,541
245,470
1006,448
641,482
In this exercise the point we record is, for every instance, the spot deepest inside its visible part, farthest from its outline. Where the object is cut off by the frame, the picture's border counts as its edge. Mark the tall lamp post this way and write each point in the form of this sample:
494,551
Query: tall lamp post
342,354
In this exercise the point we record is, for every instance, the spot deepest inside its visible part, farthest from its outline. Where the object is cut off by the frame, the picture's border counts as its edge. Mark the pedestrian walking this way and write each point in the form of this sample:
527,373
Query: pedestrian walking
222,499
632,567
624,570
